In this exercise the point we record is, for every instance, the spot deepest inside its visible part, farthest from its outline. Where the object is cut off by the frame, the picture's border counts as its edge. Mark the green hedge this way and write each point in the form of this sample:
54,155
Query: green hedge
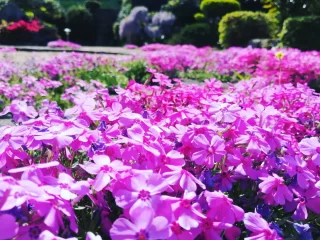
301,32
80,21
218,8
198,34
238,28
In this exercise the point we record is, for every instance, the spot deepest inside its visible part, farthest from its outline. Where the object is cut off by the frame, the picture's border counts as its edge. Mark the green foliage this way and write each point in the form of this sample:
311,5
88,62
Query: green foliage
51,11
27,4
300,32
125,9
198,34
104,3
136,70
199,17
238,28
218,8
108,75
3,3
80,21
314,7
201,75
291,8
184,10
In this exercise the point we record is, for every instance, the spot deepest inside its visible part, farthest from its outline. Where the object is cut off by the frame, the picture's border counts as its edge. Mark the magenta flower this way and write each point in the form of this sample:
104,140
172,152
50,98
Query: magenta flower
20,111
311,148
259,227
297,166
143,225
212,229
303,200
8,227
275,189
224,112
58,136
255,142
47,235
208,152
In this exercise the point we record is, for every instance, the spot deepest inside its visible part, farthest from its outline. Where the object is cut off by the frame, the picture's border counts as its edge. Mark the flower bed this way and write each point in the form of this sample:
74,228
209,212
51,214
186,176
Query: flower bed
63,44
167,161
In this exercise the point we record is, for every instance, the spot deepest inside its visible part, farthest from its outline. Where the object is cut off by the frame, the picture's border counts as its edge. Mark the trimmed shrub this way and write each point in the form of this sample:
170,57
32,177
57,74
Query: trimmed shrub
301,32
238,28
80,21
218,8
198,34
184,10
52,12
199,17
93,5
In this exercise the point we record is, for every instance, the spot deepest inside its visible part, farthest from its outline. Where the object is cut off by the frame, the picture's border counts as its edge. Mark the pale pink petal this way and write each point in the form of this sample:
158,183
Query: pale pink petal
101,181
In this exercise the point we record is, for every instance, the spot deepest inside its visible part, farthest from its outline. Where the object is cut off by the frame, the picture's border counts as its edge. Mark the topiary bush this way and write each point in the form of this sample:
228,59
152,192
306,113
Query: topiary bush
152,5
238,28
80,21
198,34
218,8
27,4
300,32
200,17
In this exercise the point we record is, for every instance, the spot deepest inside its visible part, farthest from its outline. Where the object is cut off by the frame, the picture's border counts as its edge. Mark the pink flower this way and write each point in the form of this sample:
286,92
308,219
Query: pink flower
58,136
13,137
186,212
311,147
184,178
222,209
259,227
275,189
144,225
104,169
139,191
208,152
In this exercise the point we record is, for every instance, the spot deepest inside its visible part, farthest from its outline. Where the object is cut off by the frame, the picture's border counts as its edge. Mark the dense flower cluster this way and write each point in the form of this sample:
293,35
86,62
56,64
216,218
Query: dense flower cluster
63,44
30,26
295,66
169,161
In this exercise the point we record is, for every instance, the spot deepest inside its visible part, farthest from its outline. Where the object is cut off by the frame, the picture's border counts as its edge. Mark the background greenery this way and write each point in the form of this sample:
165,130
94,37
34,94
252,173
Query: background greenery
104,3
292,23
